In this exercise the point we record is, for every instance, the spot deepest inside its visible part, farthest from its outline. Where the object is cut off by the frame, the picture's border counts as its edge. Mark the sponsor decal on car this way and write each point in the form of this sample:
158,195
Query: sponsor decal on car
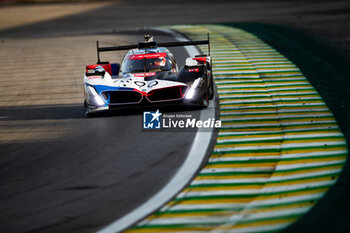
94,77
193,70
149,74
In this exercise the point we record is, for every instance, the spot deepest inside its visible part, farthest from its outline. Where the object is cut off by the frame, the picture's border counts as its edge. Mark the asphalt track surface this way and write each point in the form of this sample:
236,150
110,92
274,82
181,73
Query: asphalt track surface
100,167
54,185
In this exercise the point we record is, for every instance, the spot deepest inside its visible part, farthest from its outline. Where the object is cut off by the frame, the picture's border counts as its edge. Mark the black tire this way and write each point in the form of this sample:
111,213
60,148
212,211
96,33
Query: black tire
87,114
211,88
205,101
211,83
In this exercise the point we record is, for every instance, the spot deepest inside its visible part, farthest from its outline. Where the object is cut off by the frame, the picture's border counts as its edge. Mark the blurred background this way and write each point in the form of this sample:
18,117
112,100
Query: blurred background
51,178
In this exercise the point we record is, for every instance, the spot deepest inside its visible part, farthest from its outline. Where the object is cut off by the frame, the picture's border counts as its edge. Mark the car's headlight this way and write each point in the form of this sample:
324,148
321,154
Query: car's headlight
93,97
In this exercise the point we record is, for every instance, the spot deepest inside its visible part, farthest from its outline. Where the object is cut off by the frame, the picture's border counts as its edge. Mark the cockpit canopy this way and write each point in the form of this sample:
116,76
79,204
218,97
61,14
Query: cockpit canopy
148,61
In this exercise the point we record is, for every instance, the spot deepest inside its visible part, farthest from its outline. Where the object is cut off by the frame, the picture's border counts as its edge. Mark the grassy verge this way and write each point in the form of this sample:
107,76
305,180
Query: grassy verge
327,69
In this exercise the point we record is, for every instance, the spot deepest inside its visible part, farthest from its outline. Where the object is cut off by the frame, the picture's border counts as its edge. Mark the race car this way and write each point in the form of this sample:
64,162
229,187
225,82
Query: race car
148,76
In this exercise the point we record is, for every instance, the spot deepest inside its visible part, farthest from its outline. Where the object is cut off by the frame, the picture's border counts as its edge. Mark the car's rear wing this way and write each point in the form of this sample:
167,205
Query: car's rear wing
150,44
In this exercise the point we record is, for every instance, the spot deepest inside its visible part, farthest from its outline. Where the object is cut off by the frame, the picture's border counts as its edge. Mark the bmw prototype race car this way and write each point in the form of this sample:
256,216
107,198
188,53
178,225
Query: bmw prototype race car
148,76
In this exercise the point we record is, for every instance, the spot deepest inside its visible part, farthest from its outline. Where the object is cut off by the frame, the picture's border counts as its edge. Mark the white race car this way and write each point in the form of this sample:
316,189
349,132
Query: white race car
148,76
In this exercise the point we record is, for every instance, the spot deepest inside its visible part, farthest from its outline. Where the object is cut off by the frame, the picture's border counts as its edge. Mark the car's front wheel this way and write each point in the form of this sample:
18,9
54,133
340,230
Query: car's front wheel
205,101
87,112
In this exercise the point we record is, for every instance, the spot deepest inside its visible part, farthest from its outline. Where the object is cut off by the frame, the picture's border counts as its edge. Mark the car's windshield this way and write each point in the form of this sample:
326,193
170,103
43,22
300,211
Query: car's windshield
150,62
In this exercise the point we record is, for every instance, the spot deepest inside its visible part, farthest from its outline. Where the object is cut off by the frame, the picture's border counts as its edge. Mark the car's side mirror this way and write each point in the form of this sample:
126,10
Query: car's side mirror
95,71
